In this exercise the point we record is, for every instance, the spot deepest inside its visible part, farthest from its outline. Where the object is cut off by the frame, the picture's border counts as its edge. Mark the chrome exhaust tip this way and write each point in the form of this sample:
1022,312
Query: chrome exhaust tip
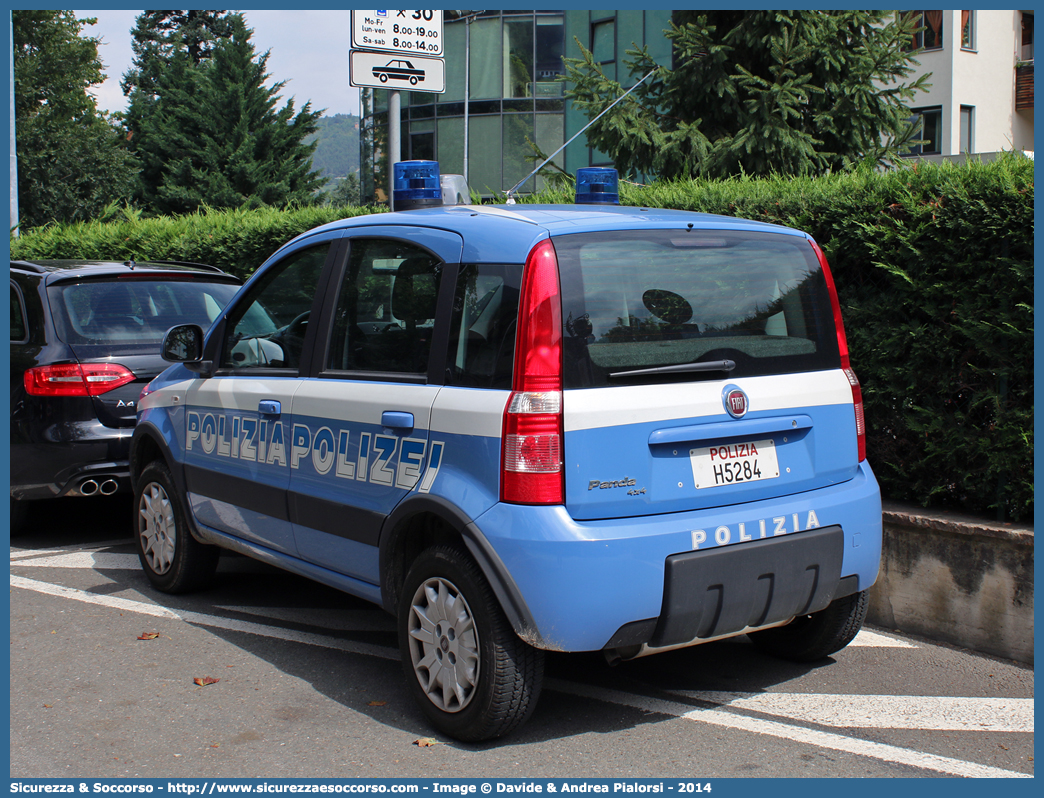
88,487
108,487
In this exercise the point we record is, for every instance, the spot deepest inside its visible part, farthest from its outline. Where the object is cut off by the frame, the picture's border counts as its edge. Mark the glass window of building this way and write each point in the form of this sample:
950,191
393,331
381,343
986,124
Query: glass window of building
603,40
485,144
967,128
453,44
930,133
967,30
550,43
518,57
929,33
514,98
485,59
517,152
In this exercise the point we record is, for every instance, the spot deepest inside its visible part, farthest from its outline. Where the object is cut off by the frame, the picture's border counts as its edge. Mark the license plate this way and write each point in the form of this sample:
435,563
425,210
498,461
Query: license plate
734,463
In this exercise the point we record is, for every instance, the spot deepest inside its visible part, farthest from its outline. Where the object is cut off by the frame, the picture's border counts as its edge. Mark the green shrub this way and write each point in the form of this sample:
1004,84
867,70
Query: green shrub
237,241
934,270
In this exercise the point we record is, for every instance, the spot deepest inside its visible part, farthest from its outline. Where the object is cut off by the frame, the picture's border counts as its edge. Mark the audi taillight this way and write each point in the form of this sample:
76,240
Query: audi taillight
74,379
842,346
531,459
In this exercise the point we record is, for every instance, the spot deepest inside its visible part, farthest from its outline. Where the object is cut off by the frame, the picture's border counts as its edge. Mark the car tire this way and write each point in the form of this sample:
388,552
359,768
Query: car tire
811,637
173,560
448,616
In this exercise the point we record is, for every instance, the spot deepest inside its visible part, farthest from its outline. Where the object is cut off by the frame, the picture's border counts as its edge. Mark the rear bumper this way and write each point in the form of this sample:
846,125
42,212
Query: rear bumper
607,584
60,460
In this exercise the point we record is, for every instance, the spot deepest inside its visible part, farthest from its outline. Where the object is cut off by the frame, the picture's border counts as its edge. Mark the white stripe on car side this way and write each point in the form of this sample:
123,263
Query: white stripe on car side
472,411
361,401
469,411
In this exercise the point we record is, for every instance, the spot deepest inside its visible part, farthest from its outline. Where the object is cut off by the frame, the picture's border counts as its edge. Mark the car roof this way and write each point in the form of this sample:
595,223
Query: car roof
54,270
506,233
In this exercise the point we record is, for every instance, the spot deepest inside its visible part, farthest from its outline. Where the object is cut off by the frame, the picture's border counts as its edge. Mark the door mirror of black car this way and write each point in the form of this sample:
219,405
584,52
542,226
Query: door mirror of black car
184,344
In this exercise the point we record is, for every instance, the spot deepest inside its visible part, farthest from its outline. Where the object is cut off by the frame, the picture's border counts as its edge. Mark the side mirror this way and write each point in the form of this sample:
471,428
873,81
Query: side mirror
184,344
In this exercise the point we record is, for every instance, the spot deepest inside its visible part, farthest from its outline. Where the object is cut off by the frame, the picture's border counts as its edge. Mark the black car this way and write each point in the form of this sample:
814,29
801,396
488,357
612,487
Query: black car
85,339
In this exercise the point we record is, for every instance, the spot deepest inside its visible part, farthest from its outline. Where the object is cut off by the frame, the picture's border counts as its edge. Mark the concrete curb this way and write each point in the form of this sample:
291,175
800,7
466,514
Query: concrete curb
958,579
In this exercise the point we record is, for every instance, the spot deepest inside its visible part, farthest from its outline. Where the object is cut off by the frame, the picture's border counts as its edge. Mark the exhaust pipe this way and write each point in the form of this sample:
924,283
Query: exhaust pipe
88,487
108,487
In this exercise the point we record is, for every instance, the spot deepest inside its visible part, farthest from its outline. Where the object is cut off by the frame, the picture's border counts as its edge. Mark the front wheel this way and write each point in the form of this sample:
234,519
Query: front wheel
471,674
173,560
811,637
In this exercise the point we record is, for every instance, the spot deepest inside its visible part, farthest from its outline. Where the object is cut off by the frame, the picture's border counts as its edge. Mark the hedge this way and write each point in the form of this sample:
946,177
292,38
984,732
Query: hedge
934,269
237,241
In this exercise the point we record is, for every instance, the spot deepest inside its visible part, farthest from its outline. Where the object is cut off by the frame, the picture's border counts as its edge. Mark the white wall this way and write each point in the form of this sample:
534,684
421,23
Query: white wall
983,78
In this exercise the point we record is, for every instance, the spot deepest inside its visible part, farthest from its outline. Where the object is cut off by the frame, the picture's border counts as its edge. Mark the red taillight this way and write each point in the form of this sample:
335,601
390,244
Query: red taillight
842,346
860,421
73,379
531,471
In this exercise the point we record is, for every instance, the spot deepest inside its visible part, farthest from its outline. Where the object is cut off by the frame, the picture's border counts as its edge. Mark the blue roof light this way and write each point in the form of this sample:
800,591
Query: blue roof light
597,185
416,185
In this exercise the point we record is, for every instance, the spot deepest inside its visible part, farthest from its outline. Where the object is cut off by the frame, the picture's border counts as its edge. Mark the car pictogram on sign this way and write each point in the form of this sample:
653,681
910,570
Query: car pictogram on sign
400,70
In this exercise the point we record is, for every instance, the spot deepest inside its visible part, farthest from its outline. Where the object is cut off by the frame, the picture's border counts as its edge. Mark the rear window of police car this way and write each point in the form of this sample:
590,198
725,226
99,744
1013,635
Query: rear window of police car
647,299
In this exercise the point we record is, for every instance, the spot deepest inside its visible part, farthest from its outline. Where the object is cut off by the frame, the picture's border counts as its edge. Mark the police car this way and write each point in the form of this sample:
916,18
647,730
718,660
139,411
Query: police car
526,428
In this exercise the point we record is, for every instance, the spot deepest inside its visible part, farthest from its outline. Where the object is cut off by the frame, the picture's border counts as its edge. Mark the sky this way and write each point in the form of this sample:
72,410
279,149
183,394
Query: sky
308,50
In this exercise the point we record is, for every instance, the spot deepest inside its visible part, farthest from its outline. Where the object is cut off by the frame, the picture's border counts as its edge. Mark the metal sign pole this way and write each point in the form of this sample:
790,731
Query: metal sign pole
467,88
394,141
14,150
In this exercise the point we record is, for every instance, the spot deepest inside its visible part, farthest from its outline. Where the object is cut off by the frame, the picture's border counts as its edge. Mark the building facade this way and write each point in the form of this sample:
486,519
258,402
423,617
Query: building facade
514,96
981,95
980,100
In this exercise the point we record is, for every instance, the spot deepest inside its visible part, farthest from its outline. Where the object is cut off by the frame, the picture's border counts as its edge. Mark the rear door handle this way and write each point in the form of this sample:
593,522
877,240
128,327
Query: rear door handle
269,407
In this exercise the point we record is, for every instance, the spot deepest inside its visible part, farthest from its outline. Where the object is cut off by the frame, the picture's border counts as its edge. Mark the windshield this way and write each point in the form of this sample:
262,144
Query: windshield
134,311
639,300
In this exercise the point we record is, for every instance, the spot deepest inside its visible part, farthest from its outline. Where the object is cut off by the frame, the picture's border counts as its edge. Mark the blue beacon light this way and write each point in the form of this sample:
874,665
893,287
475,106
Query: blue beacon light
416,185
597,185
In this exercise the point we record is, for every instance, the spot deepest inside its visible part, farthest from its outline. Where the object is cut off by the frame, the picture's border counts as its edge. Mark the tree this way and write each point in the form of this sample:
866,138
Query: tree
209,132
346,192
790,92
72,161
158,34
337,145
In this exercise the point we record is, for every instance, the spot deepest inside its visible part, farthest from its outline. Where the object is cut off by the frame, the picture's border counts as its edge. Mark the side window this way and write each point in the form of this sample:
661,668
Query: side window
386,309
19,332
482,330
267,329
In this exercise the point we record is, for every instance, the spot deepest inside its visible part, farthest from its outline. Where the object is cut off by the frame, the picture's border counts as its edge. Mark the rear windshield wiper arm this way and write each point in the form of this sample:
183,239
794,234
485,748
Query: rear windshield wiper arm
680,368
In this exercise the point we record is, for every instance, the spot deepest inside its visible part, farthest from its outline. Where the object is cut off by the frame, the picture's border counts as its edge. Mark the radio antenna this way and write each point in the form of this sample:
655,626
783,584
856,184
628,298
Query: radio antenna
511,191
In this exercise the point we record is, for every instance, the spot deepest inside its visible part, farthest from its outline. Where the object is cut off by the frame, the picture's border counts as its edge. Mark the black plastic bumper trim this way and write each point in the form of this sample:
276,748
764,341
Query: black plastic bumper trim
725,590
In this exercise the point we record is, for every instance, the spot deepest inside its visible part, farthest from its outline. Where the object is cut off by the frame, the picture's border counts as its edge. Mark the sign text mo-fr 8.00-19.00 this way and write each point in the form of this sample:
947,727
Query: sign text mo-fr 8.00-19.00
415,32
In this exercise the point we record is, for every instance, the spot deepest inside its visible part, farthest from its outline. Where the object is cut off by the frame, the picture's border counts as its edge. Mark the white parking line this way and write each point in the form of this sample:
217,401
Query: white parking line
714,717
939,713
836,742
202,619
107,561
870,639
75,547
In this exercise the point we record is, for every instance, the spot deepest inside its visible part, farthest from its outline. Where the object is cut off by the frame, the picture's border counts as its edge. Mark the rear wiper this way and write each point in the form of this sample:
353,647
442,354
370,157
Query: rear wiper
710,365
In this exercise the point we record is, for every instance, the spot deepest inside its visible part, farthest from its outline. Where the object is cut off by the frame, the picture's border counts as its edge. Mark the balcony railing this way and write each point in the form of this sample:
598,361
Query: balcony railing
1024,87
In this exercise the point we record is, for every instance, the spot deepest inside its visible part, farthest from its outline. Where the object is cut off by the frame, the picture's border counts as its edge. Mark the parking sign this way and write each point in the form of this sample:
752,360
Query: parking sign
413,32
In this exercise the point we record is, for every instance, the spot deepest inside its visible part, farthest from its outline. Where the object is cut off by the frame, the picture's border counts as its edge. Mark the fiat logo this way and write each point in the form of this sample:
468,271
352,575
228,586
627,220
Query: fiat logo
735,400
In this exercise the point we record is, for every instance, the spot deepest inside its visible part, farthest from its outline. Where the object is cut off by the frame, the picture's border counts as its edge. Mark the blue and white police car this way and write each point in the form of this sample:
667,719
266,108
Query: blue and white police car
526,428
